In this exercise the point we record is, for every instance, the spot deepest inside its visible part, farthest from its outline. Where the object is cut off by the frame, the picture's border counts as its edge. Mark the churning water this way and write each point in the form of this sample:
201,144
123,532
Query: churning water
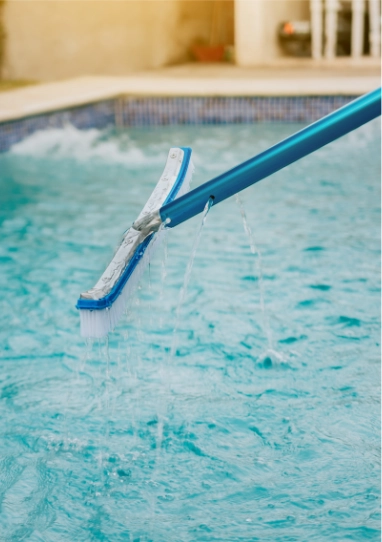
231,437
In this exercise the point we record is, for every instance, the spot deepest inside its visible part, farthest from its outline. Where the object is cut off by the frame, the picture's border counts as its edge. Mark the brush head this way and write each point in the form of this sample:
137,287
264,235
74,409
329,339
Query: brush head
102,306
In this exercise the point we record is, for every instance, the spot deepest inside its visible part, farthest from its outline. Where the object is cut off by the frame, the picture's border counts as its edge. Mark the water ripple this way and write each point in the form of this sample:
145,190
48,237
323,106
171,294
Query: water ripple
236,436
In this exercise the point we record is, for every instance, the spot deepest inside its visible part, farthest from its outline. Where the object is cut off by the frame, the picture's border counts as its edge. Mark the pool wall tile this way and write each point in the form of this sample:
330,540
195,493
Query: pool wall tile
127,111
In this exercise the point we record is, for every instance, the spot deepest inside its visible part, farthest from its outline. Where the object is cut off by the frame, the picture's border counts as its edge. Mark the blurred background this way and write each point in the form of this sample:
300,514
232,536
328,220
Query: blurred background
47,40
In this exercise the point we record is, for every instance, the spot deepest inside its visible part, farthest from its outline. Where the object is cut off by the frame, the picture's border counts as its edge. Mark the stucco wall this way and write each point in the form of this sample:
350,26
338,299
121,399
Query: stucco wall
205,20
256,23
54,39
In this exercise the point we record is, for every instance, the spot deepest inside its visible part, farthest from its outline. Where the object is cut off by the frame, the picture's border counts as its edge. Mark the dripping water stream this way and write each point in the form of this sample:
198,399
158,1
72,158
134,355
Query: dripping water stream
163,405
106,408
186,280
181,299
270,352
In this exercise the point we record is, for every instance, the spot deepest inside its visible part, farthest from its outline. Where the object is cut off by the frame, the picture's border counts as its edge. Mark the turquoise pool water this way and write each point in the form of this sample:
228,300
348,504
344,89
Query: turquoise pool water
265,424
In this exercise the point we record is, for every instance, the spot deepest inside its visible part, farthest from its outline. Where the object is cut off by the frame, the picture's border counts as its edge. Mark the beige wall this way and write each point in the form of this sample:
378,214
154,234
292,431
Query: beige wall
256,24
55,39
203,21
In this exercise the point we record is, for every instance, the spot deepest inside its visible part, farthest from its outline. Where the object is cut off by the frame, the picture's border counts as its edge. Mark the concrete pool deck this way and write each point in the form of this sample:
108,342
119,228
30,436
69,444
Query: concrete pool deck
302,77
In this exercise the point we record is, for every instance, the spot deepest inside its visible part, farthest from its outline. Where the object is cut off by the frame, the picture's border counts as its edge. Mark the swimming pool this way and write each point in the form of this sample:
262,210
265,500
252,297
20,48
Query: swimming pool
264,425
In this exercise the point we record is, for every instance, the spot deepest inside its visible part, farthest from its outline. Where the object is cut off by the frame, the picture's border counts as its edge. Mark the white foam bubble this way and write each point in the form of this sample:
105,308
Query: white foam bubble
85,145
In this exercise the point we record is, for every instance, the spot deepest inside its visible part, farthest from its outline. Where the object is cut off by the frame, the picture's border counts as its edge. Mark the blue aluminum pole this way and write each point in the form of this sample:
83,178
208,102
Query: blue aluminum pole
304,142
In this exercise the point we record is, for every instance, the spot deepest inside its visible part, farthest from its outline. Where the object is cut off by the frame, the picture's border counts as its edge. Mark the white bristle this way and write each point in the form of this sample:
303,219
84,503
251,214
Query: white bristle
96,324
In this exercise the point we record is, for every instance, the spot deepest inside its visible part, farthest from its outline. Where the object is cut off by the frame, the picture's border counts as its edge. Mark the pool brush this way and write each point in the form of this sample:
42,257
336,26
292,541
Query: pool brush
102,306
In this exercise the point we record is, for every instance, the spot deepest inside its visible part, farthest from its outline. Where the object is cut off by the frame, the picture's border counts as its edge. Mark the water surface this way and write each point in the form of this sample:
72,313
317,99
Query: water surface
263,424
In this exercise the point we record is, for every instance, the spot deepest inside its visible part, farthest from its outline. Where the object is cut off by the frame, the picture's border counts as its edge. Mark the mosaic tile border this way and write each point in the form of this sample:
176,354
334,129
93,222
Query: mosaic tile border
127,111
161,111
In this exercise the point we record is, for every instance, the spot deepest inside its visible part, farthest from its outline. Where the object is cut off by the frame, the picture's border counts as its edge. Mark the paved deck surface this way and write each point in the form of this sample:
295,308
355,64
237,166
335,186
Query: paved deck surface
284,78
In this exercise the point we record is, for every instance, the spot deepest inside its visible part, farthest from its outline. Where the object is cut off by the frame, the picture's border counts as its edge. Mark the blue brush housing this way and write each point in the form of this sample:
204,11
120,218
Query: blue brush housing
109,299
